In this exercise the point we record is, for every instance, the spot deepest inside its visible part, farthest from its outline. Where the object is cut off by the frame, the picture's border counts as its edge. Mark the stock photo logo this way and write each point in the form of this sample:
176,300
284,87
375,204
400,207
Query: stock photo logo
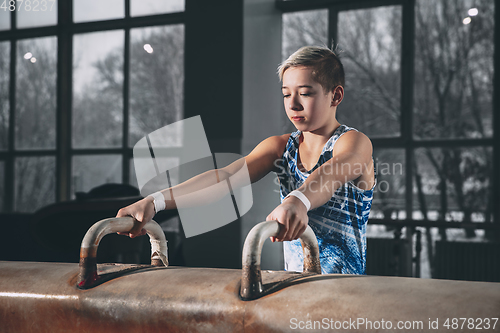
178,153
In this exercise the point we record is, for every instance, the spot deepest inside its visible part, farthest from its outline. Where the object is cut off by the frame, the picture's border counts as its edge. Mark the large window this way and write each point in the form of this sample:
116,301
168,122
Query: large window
419,83
75,100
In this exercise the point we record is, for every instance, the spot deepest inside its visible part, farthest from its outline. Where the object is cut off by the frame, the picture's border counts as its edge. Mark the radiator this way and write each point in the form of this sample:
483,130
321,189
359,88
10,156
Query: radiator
467,261
387,257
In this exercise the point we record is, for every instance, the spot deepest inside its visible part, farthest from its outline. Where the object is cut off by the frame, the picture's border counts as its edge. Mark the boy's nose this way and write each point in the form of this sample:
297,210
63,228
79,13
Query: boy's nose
295,105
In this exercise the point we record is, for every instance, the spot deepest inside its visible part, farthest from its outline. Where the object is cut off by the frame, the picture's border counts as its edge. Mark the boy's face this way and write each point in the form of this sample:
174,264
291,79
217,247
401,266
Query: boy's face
306,104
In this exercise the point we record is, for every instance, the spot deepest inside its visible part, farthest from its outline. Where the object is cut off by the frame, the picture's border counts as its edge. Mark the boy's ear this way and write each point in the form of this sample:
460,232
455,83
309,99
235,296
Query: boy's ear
338,95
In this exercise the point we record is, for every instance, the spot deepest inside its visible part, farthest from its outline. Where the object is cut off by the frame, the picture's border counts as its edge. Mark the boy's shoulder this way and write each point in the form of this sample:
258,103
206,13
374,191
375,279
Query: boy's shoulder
282,139
353,139
273,146
276,143
354,134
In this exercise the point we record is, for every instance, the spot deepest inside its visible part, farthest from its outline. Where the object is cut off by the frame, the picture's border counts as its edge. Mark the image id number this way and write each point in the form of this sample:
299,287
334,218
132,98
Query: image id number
28,5
470,323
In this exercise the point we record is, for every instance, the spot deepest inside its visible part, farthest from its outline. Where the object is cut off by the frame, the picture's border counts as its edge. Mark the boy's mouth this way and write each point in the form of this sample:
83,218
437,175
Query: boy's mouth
297,118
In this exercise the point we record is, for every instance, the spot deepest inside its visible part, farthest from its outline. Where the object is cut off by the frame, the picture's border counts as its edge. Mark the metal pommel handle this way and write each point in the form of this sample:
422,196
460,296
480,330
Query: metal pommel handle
88,276
251,279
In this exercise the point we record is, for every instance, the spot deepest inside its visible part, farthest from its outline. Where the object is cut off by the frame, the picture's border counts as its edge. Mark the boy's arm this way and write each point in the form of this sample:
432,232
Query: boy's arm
265,156
352,156
259,163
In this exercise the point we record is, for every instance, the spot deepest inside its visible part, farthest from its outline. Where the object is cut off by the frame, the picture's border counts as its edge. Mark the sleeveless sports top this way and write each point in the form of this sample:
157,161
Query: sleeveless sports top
339,224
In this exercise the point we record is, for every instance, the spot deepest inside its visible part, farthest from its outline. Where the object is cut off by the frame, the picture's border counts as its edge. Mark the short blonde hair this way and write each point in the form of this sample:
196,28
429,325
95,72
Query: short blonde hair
328,70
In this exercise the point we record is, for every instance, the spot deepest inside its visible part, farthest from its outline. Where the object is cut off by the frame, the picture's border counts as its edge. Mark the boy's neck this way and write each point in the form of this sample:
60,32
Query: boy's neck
317,139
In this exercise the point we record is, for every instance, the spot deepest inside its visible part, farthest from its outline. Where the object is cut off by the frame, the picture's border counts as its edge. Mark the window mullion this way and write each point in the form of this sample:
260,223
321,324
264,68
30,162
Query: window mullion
64,94
126,100
407,78
496,123
9,162
333,17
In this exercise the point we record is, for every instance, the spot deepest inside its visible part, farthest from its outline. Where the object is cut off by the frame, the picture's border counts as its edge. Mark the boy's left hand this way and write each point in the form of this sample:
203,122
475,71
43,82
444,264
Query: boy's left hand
292,215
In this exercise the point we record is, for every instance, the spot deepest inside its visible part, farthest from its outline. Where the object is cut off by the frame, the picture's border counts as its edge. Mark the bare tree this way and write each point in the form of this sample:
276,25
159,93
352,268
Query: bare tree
155,94
156,80
4,93
98,108
36,95
156,90
453,98
35,183
35,124
371,44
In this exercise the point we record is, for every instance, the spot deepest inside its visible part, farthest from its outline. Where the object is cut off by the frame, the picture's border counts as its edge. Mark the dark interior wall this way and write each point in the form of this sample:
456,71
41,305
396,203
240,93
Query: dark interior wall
262,111
213,90
213,68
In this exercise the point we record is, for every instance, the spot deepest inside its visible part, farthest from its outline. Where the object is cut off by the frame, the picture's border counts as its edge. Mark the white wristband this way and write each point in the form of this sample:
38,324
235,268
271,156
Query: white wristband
301,197
158,201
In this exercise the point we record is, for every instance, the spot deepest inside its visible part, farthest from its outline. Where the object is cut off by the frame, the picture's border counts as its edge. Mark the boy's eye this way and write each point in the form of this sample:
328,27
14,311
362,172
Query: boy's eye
285,96
305,94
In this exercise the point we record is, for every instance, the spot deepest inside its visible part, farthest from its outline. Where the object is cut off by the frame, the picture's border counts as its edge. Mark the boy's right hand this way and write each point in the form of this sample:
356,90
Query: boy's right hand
292,215
142,212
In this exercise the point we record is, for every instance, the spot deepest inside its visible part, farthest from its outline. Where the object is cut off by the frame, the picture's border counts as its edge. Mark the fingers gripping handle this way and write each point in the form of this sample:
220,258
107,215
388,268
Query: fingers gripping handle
88,251
251,280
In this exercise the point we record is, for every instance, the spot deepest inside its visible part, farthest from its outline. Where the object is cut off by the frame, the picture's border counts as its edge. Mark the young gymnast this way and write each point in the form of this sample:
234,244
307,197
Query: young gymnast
326,170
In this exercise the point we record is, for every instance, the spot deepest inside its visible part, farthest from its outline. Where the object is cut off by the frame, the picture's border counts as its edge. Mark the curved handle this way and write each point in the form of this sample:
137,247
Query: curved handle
88,276
251,279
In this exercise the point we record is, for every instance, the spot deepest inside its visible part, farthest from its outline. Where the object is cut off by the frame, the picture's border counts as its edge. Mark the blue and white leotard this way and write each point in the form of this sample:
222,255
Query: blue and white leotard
339,224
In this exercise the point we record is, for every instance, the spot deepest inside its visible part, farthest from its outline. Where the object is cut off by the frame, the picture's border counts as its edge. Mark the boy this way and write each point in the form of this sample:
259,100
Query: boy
325,169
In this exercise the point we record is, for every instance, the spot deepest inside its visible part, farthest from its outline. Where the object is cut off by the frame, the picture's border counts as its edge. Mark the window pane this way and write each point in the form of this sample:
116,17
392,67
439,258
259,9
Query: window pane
132,179
153,7
4,19
34,183
2,185
302,29
98,89
453,184
95,10
370,44
389,194
36,13
453,69
36,93
4,94
429,236
156,79
171,166
90,171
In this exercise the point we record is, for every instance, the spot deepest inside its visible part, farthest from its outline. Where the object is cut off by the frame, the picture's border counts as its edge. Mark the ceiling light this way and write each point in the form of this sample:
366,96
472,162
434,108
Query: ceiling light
473,12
